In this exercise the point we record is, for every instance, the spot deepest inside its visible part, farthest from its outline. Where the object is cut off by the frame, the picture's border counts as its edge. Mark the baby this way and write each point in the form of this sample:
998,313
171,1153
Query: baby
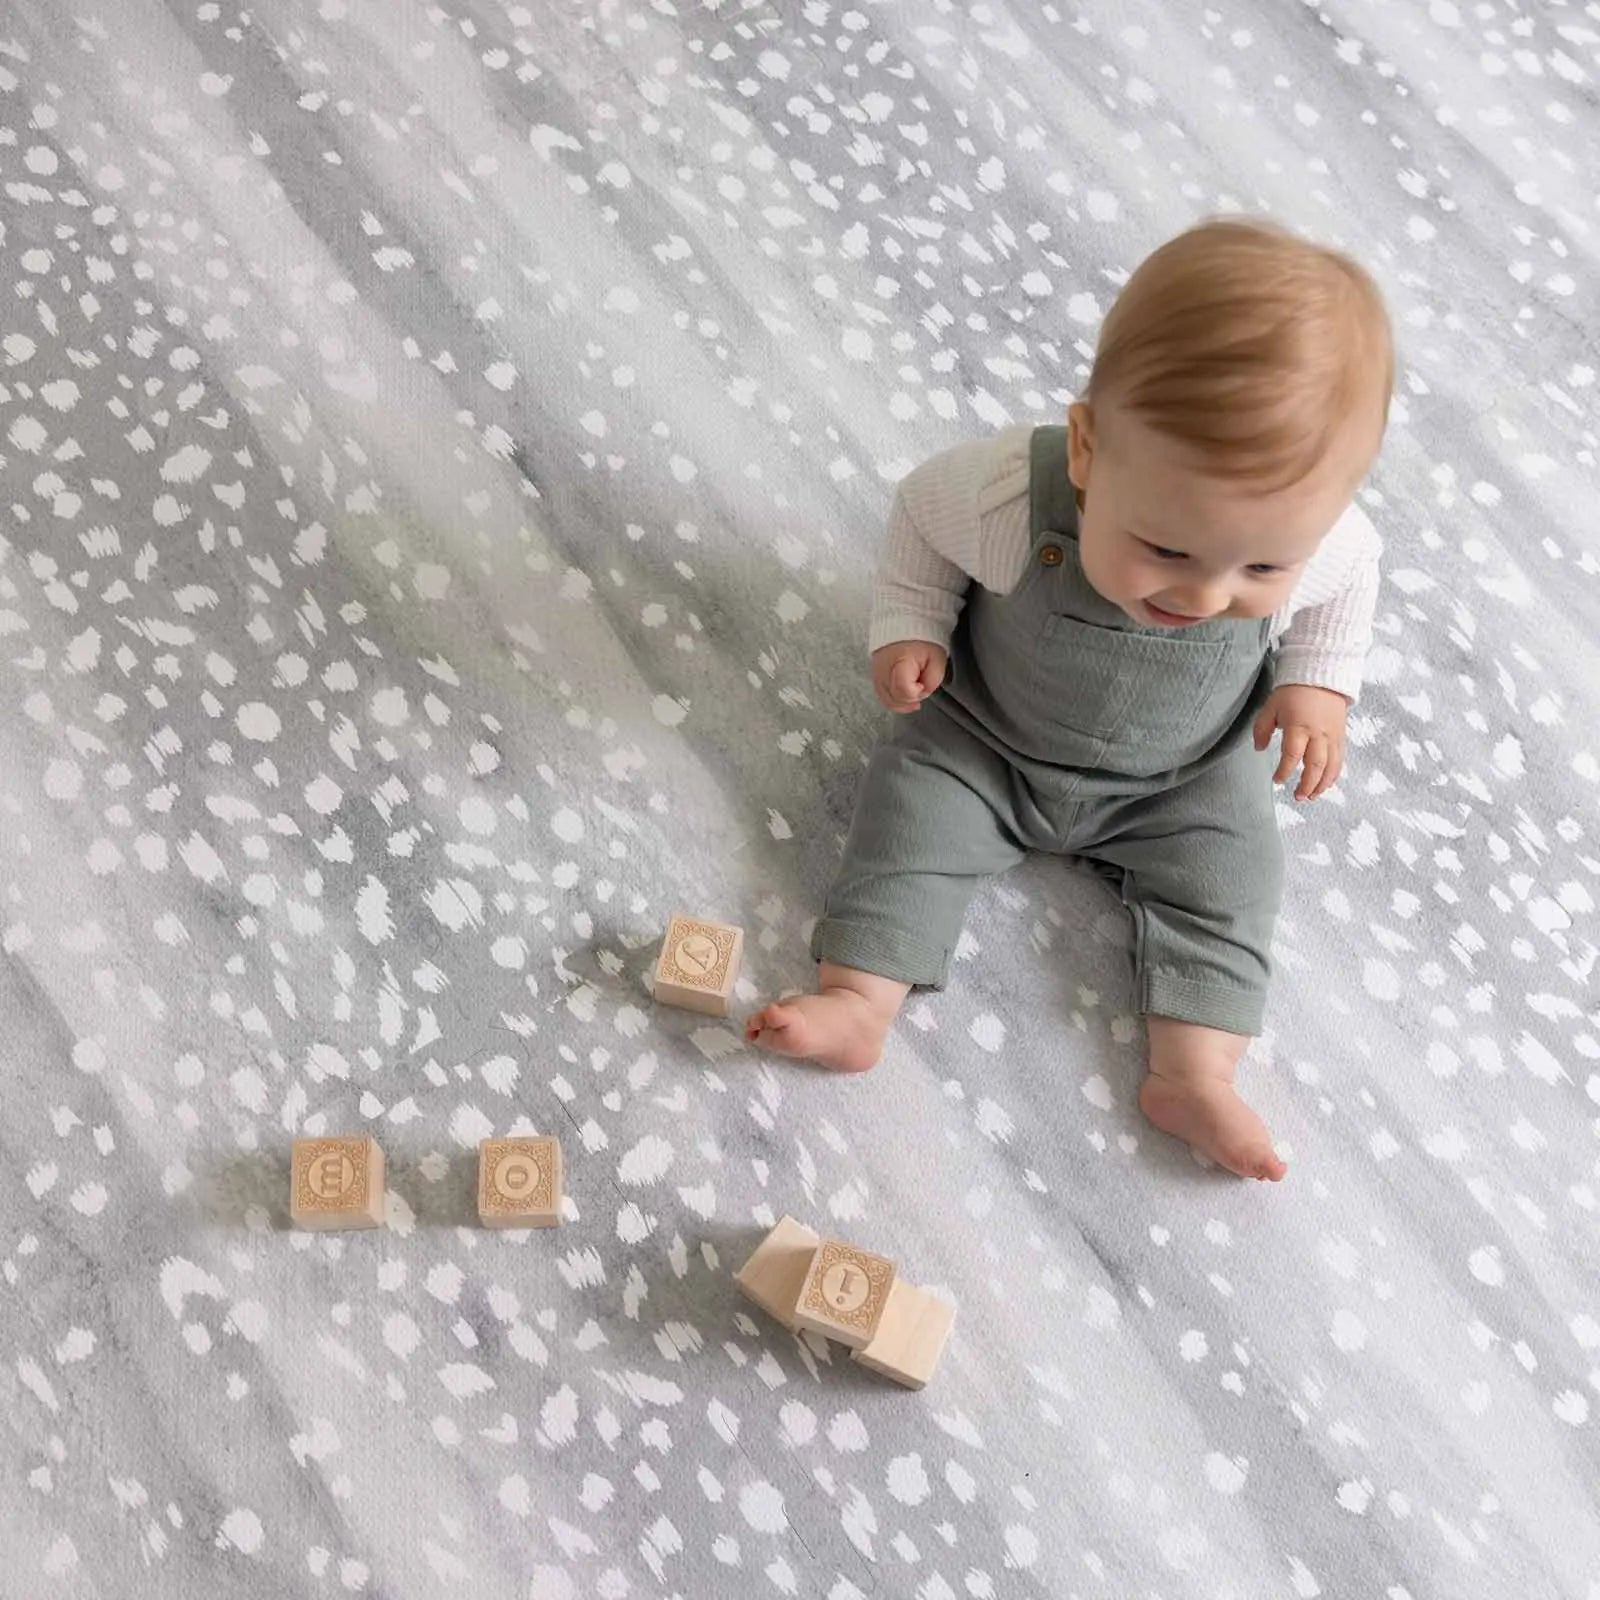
1093,632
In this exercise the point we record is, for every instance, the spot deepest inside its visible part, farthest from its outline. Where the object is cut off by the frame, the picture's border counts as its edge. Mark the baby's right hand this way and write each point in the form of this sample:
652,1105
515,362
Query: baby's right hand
905,674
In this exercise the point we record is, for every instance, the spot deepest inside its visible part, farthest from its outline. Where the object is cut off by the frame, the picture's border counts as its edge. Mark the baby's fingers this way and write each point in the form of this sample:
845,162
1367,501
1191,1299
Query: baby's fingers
897,687
1294,746
884,689
905,681
1316,765
1266,726
1330,774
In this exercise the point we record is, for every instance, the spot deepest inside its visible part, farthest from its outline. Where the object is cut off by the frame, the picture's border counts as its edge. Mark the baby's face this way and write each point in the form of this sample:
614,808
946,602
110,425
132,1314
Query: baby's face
1173,547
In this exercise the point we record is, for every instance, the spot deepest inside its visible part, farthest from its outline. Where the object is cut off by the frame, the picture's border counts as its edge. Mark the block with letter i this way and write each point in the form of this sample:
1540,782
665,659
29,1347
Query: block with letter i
699,965
844,1293
336,1183
519,1183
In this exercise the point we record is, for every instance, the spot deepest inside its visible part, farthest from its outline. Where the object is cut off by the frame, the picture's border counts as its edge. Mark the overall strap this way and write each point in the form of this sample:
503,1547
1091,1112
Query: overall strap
1052,499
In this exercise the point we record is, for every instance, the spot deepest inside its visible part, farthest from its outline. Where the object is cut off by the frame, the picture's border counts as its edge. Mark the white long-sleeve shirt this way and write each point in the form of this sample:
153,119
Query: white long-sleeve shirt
963,517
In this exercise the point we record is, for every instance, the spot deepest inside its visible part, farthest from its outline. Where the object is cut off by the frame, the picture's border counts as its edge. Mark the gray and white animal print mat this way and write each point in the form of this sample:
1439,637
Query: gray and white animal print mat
444,451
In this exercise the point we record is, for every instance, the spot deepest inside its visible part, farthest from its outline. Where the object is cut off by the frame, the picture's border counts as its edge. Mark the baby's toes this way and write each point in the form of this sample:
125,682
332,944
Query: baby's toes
1260,1161
782,1021
769,1023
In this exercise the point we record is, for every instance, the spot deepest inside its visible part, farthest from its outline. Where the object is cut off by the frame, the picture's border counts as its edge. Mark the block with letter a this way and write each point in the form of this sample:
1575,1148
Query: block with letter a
699,965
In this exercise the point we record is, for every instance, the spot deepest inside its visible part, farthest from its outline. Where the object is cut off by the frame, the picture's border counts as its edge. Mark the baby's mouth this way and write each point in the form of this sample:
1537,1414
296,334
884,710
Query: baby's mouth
1169,619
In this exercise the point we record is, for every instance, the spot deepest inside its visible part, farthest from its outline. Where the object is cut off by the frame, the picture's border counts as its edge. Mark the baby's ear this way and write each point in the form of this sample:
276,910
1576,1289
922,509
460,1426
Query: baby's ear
1080,443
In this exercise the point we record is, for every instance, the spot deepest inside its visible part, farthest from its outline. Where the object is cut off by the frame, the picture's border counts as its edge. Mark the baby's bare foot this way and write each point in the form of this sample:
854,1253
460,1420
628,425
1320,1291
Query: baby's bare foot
838,1028
1207,1114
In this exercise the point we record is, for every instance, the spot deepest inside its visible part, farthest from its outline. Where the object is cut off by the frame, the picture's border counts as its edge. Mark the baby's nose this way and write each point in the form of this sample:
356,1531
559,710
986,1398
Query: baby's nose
1202,600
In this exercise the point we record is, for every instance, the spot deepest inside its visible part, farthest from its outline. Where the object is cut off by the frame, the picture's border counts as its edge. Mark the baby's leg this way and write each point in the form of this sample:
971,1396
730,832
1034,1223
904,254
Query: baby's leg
1202,871
926,832
841,1026
1189,1093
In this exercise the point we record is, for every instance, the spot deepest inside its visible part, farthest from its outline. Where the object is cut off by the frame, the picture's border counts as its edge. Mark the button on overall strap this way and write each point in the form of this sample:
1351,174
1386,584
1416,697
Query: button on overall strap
1052,499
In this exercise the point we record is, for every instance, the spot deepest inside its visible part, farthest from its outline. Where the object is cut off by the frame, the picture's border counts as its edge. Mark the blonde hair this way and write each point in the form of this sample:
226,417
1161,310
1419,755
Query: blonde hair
1253,347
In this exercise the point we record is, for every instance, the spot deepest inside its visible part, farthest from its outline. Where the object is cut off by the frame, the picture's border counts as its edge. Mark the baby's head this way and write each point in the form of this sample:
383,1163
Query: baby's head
1238,397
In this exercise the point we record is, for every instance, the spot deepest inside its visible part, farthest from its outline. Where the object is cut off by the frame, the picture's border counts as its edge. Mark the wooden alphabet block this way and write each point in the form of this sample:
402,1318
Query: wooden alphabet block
699,965
336,1183
844,1293
519,1183
911,1337
777,1269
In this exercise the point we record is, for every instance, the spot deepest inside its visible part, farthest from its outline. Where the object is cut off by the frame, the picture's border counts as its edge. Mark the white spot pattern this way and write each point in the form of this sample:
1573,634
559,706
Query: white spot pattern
441,455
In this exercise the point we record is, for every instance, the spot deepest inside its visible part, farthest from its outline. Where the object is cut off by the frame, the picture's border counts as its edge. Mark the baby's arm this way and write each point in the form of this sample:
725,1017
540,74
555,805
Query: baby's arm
916,599
1326,641
1320,658
918,591
937,546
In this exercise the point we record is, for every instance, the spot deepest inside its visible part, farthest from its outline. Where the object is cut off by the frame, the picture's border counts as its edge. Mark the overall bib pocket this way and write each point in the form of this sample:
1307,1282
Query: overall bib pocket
1113,683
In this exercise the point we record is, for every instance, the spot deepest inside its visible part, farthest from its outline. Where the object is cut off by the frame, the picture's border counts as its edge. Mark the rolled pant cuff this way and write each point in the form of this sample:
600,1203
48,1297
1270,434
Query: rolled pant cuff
887,951
1165,994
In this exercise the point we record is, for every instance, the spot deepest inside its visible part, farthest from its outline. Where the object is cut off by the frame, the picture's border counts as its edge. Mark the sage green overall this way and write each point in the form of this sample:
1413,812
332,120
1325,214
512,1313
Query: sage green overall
1065,726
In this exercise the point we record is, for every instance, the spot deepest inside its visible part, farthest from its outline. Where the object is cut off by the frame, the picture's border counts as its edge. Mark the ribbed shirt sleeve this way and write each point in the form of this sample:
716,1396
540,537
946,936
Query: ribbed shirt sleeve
1328,624
959,518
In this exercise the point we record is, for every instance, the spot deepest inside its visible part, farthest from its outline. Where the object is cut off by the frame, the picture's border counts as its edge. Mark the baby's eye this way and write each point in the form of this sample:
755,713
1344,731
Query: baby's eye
1262,569
1163,554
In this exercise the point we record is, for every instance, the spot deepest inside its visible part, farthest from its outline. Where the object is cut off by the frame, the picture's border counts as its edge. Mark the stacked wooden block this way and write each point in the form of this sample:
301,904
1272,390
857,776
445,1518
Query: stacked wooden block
851,1296
339,1183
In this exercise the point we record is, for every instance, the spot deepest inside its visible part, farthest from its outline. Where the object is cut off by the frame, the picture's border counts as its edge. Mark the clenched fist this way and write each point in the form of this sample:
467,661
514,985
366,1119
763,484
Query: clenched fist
905,674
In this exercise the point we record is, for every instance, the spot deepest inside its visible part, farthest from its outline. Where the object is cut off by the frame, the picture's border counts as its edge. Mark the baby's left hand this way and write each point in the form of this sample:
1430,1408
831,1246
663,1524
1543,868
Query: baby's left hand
1312,722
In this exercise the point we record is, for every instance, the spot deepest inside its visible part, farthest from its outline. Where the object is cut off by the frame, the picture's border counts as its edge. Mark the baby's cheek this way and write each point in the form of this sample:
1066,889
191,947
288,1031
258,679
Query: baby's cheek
1116,580
1264,603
